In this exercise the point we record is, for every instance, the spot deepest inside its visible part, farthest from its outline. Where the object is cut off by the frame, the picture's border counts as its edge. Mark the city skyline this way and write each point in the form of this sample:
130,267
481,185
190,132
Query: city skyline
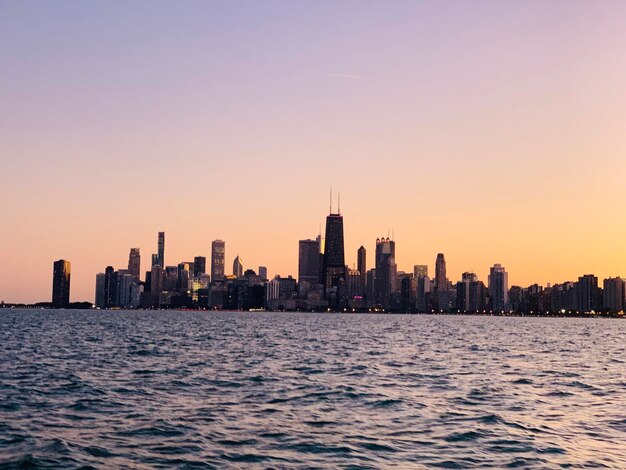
491,132
325,283
422,266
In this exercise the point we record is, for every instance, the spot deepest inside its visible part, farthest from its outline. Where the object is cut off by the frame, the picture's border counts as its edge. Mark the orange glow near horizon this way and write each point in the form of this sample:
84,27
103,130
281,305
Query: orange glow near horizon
492,132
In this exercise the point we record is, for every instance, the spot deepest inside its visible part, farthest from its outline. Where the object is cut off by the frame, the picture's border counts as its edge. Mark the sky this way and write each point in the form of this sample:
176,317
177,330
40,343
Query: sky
491,131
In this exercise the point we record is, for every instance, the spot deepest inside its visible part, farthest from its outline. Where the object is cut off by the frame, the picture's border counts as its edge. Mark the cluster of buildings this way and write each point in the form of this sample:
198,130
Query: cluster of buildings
326,283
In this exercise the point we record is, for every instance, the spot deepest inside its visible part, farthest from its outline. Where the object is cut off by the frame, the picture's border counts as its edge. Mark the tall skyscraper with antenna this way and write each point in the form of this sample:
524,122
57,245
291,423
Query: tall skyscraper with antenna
334,265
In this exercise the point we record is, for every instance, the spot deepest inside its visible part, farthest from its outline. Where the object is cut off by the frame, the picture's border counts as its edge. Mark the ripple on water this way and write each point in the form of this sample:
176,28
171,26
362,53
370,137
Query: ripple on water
236,390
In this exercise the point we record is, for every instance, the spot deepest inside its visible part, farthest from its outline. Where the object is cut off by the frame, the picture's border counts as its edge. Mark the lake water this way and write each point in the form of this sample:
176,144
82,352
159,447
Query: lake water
281,390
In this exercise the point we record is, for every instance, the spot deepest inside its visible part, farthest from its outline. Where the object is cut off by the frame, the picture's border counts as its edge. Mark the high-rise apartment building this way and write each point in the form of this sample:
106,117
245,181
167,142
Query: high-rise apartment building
423,294
613,294
110,287
588,295
184,276
498,288
355,287
218,252
157,278
463,291
308,262
134,262
199,266
100,283
385,280
61,283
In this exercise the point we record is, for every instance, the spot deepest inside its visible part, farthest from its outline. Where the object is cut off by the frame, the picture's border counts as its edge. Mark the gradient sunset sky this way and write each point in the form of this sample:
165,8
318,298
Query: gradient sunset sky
491,131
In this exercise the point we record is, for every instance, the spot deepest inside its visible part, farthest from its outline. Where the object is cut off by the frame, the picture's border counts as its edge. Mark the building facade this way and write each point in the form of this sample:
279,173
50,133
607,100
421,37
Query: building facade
218,252
61,274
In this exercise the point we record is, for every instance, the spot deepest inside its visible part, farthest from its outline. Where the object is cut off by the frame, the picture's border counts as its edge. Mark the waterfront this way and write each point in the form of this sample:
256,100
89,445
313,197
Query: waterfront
164,389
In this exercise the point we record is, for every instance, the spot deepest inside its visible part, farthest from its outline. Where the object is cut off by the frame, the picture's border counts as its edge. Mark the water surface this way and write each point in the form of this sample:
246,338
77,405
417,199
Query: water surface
281,390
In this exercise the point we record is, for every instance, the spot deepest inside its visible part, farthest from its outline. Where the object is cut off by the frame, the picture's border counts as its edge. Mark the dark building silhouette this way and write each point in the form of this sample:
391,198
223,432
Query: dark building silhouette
385,280
441,279
218,252
406,297
498,288
588,295
134,262
334,266
423,294
237,267
613,294
308,261
361,266
199,266
110,287
61,283
183,276
370,293
161,247
462,291
477,296
148,282
100,290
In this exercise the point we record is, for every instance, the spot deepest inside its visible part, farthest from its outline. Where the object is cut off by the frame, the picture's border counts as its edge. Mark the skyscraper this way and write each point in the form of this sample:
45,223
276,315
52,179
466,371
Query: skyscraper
308,262
100,282
423,294
334,266
441,279
588,295
218,251
61,284
199,266
463,291
361,266
134,262
420,270
385,280
237,267
161,253
263,273
110,287
184,276
613,294
499,288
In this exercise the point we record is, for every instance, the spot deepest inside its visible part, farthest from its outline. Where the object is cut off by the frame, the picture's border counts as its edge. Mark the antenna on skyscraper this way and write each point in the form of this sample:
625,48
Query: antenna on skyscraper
393,236
339,203
331,200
